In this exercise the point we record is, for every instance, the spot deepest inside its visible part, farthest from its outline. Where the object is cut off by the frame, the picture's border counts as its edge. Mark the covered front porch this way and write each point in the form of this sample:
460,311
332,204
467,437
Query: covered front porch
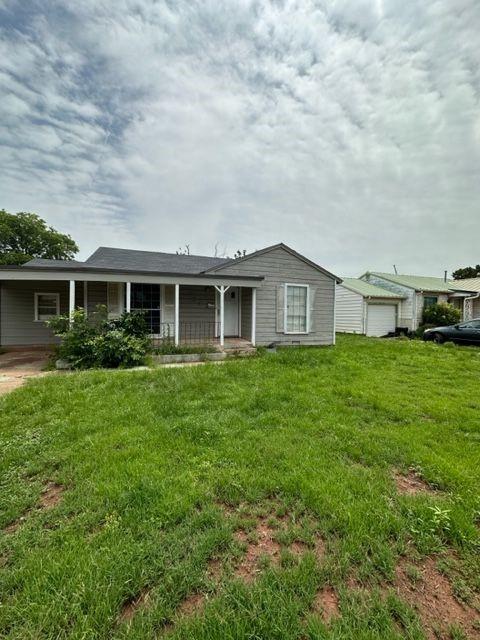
182,314
179,309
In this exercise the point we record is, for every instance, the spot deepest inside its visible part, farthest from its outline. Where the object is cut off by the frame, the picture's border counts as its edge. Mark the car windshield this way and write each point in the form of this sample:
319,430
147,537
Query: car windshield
473,324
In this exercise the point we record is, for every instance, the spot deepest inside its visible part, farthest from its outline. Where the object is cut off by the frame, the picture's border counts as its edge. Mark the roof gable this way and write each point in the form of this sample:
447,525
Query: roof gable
274,247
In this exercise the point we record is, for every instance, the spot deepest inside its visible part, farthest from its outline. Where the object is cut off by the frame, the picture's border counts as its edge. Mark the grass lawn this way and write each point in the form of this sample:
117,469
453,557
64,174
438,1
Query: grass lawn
255,499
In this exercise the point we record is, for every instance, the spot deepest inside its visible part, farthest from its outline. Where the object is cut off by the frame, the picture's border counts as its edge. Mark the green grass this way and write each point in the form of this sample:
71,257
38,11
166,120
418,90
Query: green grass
148,457
168,348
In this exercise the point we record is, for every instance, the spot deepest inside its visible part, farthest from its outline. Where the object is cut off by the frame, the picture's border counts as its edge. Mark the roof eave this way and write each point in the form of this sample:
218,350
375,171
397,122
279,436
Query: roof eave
105,270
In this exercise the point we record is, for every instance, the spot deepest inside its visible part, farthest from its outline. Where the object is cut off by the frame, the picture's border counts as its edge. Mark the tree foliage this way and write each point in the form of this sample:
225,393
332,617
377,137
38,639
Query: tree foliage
466,272
24,236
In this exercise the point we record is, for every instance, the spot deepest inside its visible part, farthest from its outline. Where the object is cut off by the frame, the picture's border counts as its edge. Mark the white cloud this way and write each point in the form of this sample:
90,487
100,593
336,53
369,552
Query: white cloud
347,129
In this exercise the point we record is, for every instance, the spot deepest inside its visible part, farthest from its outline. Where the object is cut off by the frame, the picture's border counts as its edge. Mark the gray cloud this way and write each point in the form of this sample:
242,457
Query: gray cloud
348,129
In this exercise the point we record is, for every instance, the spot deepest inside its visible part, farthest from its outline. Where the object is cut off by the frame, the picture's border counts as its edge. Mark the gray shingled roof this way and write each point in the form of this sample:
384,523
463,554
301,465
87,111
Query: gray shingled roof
57,264
132,260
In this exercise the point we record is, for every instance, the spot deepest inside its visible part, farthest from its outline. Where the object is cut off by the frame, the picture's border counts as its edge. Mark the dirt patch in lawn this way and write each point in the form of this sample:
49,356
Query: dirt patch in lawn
264,537
132,605
192,604
264,546
50,497
430,594
411,484
326,604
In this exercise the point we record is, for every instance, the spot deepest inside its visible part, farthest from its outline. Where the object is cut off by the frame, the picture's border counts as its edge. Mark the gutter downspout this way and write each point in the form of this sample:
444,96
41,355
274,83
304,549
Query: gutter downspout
414,309
365,312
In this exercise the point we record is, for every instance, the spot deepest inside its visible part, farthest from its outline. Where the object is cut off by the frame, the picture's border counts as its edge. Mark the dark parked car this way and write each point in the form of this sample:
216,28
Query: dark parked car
466,332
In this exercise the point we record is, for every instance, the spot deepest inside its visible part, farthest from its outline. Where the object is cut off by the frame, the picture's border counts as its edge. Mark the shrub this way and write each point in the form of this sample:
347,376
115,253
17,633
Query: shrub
442,314
98,342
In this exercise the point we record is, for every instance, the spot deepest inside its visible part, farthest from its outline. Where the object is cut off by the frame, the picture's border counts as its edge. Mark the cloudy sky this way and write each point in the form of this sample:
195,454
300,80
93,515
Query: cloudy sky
349,129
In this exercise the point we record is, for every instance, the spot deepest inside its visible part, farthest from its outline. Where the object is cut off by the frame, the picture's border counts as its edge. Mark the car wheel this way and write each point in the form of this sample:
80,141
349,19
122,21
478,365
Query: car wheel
438,338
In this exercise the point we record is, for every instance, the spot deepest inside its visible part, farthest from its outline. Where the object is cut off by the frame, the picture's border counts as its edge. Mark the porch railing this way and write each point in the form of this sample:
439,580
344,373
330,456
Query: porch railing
189,332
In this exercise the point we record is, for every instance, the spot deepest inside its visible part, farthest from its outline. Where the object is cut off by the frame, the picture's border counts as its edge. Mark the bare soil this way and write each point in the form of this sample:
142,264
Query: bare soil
326,603
50,497
411,484
131,606
265,545
433,598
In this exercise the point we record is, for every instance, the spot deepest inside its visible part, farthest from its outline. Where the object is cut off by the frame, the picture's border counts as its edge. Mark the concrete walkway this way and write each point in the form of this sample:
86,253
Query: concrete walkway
18,365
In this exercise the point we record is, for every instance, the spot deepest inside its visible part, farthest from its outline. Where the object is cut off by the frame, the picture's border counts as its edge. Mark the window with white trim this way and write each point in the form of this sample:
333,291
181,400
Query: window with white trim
296,308
47,305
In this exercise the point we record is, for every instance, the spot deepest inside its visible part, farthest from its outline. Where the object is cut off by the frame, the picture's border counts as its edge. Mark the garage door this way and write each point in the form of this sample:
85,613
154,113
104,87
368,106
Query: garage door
381,319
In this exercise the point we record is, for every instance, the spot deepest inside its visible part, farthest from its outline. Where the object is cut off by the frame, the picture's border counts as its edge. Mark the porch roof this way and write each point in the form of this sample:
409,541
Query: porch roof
84,271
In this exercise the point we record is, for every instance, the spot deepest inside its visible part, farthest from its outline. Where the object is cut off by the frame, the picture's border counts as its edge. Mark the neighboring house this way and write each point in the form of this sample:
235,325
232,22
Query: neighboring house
272,295
469,305
419,292
363,308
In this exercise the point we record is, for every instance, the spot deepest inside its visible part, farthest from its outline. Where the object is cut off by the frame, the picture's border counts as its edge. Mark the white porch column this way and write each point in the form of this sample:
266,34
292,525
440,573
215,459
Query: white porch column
254,315
128,297
222,315
177,314
85,298
71,299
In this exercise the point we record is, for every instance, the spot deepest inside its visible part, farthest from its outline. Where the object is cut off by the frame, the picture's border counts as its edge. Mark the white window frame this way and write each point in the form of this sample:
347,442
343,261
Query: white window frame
36,296
307,310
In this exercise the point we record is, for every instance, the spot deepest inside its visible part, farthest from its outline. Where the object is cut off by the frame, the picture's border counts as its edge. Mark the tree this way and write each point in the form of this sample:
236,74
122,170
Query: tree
24,236
466,272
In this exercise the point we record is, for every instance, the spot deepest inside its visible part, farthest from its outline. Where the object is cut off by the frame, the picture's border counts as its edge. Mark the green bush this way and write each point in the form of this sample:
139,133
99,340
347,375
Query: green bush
438,315
97,341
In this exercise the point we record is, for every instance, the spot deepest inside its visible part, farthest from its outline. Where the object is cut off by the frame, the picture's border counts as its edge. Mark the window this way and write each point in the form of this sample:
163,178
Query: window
47,305
428,301
146,298
296,308
115,299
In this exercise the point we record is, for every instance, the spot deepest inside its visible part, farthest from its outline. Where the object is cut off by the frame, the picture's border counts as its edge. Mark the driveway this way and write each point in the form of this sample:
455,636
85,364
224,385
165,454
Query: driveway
18,365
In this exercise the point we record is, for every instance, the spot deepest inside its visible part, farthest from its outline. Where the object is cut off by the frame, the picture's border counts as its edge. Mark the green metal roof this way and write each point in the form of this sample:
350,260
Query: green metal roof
469,284
369,290
419,283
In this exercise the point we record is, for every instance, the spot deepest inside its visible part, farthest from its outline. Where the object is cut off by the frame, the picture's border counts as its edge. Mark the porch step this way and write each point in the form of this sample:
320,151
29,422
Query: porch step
241,350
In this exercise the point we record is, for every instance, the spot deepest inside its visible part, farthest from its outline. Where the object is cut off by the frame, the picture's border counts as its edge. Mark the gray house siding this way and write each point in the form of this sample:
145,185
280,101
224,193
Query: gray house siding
18,326
197,313
279,267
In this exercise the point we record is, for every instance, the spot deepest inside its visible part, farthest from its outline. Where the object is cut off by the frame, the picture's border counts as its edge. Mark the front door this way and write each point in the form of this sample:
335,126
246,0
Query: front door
231,311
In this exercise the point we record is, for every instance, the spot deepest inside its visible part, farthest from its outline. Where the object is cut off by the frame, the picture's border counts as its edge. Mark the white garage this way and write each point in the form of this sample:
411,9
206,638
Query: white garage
381,319
366,309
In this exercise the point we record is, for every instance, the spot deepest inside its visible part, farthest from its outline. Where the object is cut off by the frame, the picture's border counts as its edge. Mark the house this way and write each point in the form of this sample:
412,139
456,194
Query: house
468,304
272,295
419,292
366,309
